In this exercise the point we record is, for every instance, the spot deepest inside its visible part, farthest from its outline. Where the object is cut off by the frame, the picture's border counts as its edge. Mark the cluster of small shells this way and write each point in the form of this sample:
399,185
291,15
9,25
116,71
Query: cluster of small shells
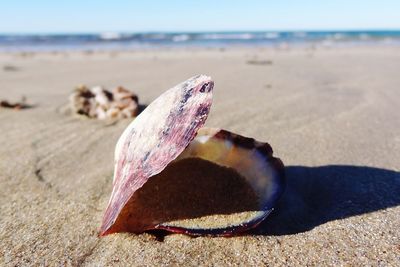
97,102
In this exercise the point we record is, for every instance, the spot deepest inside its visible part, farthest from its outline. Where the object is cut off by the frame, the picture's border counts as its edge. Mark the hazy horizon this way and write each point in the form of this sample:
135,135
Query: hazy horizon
204,31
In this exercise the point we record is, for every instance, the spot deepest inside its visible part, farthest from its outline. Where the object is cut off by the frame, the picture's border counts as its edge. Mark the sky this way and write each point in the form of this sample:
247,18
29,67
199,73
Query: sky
79,16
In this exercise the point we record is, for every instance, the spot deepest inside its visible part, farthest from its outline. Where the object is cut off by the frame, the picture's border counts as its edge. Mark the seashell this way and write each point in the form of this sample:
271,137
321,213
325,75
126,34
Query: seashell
97,102
102,96
80,100
128,112
113,112
100,113
172,174
120,93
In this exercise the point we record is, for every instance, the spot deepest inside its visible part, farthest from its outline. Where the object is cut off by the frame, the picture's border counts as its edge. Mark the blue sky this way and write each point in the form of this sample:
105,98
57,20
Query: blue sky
74,16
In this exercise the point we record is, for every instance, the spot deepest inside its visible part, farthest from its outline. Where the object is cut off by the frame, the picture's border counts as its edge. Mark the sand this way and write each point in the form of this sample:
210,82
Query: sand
331,115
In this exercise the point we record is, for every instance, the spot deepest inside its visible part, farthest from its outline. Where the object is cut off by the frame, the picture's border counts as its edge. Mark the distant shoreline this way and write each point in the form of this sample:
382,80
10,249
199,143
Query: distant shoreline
143,41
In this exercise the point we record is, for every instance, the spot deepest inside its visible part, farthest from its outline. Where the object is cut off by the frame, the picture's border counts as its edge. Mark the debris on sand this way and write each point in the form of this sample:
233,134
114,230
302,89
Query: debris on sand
17,105
10,68
259,62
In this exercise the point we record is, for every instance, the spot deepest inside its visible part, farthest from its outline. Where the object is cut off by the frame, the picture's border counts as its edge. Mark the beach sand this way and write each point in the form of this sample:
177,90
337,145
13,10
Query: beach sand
332,116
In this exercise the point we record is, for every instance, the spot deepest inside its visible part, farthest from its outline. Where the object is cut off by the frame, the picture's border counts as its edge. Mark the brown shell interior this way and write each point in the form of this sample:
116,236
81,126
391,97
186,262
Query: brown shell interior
214,183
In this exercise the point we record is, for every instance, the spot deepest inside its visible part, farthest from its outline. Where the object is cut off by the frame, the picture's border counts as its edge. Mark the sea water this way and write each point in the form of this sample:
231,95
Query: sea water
129,41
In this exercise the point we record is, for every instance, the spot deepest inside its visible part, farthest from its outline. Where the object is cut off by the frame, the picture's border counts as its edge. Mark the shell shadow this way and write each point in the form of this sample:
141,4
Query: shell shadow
316,195
141,108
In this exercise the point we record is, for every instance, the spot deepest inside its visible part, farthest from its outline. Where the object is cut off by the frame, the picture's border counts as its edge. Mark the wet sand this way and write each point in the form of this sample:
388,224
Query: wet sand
331,115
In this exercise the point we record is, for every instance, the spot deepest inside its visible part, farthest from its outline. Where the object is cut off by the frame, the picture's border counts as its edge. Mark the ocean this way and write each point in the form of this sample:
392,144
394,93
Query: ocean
131,41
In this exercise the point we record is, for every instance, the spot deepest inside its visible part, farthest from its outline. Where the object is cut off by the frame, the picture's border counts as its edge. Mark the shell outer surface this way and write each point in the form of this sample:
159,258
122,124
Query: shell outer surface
154,139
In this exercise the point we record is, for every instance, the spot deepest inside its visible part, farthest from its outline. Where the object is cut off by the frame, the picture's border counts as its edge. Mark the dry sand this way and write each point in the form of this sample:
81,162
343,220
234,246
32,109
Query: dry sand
332,116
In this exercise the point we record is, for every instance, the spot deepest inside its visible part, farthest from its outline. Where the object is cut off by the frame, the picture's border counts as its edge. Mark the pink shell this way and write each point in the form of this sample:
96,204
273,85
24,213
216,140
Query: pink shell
154,139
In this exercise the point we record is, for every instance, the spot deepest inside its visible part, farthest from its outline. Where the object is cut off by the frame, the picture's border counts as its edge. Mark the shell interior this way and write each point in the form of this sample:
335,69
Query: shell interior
249,183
